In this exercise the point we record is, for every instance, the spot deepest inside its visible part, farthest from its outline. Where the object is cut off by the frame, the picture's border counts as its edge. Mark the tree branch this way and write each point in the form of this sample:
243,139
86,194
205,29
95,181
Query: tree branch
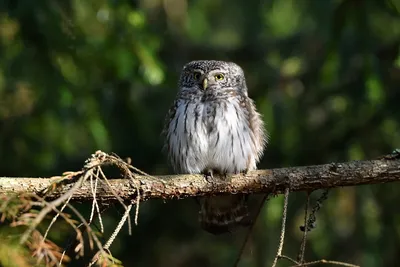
306,178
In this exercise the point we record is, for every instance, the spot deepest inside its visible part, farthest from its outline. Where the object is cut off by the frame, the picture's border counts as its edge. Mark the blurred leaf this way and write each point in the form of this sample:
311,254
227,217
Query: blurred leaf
100,134
375,90
284,17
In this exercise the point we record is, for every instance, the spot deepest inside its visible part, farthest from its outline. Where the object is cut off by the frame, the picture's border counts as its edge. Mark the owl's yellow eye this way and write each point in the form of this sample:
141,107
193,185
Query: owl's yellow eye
197,75
219,77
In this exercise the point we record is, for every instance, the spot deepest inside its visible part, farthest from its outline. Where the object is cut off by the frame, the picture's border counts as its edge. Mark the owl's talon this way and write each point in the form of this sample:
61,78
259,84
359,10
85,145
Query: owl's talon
209,176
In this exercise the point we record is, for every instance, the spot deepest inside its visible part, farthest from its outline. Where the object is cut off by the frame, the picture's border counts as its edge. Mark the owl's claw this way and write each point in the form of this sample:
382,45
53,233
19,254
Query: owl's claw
209,176
219,178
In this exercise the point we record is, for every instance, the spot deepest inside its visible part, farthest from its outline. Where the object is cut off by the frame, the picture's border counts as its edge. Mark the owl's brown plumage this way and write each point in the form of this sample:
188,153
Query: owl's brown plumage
213,127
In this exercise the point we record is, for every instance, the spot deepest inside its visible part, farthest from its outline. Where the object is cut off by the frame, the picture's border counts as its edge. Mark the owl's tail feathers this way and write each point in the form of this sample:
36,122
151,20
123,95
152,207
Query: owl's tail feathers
222,214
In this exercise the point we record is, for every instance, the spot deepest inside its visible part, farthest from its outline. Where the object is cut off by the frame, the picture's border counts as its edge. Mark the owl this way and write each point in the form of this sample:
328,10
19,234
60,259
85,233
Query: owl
214,127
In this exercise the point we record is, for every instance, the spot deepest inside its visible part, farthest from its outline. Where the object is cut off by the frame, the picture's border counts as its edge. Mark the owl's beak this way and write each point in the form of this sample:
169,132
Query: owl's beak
205,83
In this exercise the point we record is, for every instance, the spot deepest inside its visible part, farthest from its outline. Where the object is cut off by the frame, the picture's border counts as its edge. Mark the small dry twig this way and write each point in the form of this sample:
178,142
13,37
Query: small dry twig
55,203
93,173
282,237
311,222
326,262
95,204
300,257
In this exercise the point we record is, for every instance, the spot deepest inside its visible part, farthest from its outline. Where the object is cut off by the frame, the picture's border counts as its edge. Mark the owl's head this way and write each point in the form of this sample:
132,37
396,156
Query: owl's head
205,75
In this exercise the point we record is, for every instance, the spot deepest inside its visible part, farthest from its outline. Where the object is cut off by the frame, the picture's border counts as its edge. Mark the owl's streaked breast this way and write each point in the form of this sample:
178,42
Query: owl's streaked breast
211,134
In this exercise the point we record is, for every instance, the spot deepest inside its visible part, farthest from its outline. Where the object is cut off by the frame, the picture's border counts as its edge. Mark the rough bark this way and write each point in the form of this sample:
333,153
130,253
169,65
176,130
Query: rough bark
307,178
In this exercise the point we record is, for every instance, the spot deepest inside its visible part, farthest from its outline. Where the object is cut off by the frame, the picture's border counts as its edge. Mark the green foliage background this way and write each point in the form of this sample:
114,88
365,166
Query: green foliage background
80,76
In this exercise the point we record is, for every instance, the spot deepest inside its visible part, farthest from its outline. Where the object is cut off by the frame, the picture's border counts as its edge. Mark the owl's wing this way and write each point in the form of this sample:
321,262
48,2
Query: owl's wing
256,125
168,118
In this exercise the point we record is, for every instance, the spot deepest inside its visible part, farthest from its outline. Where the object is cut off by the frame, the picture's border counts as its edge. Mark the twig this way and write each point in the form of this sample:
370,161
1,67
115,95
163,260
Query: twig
289,259
137,185
90,163
136,210
300,256
92,168
54,219
59,213
88,228
326,262
282,237
109,186
120,164
70,241
114,234
48,208
311,223
118,228
95,203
